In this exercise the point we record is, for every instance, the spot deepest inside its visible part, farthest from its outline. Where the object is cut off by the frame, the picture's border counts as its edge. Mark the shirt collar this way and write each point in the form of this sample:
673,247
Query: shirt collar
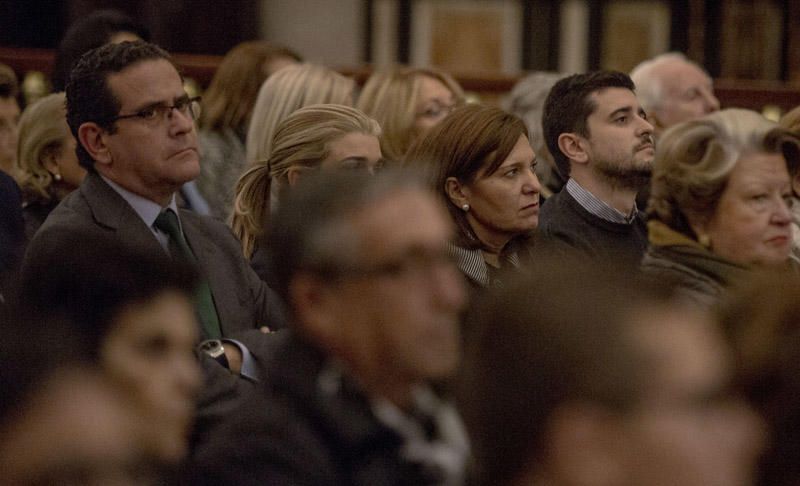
597,207
145,208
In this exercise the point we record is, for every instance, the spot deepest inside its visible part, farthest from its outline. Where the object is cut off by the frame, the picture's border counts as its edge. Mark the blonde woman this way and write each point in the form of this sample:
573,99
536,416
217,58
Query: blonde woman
49,168
720,201
227,107
317,136
407,102
286,91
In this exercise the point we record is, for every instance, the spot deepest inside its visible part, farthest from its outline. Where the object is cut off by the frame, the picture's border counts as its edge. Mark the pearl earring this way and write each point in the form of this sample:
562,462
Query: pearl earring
465,207
57,176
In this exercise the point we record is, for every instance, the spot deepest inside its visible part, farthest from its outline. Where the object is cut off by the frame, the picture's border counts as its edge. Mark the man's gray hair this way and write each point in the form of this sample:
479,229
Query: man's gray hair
312,228
649,85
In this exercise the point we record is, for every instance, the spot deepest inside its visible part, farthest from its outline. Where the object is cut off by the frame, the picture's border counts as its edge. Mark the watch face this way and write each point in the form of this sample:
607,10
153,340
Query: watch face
213,347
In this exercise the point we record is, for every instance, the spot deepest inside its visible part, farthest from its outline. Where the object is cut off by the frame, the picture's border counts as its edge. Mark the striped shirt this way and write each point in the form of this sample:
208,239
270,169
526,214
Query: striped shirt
472,264
597,207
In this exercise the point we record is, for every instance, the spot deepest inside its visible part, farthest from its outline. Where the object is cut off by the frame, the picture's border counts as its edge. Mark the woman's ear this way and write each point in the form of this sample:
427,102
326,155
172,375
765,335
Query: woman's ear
49,159
294,173
456,192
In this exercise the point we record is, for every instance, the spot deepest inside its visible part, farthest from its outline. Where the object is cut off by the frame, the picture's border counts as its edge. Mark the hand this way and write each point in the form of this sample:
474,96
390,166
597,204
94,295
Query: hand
234,355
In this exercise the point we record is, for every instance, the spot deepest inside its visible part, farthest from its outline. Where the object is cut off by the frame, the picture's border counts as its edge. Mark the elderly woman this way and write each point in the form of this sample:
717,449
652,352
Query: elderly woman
49,168
133,314
317,136
227,106
482,166
285,92
720,201
407,102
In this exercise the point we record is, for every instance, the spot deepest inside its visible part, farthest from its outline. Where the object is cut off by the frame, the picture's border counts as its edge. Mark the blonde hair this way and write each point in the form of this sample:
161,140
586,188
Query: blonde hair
694,160
391,98
290,89
302,139
42,131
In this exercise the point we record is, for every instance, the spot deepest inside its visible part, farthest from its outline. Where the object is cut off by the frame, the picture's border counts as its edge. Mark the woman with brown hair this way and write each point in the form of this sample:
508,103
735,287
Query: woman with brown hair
482,166
227,107
407,102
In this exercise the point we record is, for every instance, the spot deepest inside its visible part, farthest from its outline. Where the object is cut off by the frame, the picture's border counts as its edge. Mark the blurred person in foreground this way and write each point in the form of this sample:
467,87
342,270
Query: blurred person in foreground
483,170
762,318
48,164
720,201
132,311
227,106
625,385
673,89
61,421
374,301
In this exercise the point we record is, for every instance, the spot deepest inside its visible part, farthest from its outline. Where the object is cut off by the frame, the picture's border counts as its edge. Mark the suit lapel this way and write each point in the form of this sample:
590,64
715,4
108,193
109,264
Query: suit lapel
110,210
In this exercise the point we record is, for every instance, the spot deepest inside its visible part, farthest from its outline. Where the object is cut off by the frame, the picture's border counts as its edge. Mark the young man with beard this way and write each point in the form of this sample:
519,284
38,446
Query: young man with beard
602,142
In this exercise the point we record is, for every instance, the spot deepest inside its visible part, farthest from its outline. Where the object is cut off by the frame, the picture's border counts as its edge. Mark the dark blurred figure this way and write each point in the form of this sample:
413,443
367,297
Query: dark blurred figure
61,422
763,321
9,119
347,396
12,229
619,386
227,106
98,28
132,310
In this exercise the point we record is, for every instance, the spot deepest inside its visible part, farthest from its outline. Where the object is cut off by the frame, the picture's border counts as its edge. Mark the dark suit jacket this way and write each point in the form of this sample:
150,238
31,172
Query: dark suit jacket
243,301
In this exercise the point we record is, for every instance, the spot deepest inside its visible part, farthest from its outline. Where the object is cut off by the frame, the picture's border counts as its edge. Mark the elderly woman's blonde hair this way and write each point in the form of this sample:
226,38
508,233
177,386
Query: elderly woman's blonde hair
694,160
286,91
303,139
391,97
42,131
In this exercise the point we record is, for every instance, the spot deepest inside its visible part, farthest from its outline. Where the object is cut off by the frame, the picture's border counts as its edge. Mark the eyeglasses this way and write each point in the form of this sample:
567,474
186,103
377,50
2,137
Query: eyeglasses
414,263
161,112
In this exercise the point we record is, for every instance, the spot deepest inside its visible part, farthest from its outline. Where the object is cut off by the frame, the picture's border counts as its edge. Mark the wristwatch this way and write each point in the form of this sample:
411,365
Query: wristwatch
214,349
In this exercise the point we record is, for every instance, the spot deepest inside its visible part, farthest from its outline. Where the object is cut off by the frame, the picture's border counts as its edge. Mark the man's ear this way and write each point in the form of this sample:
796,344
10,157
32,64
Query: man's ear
456,192
93,139
311,300
573,146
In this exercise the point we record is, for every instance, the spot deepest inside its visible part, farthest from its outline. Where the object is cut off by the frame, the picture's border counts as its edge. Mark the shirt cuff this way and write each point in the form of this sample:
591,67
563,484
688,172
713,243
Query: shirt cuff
249,367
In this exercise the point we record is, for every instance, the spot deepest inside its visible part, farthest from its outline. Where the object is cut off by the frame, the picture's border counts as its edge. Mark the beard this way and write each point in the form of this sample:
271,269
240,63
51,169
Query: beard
619,176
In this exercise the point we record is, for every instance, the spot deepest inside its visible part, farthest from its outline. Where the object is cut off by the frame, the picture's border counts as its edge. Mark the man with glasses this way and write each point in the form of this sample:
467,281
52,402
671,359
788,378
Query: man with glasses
134,122
374,301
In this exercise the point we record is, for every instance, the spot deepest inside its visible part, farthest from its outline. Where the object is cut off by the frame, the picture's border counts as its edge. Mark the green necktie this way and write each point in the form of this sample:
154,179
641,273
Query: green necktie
167,222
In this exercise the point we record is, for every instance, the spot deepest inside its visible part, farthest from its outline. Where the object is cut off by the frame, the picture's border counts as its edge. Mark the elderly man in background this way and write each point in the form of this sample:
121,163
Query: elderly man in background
673,89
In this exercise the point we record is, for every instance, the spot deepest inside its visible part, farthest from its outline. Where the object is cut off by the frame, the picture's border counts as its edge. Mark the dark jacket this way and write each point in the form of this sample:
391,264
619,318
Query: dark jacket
294,433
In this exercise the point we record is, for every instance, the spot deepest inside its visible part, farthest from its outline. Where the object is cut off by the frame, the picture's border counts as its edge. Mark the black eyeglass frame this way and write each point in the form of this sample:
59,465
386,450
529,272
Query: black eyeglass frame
151,112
